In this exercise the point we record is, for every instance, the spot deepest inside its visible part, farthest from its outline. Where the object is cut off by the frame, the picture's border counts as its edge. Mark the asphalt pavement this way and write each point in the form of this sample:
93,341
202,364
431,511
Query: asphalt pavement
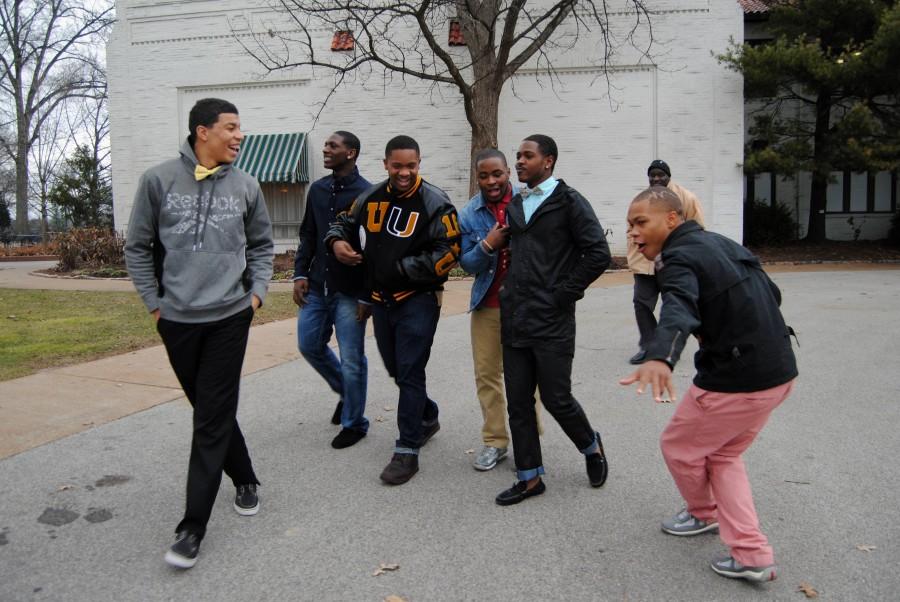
89,516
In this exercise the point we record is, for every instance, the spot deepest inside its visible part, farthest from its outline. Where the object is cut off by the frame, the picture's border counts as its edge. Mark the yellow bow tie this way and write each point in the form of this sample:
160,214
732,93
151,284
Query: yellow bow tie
201,173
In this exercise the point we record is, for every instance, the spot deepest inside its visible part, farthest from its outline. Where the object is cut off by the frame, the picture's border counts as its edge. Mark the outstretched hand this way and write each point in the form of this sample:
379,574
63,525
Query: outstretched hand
658,375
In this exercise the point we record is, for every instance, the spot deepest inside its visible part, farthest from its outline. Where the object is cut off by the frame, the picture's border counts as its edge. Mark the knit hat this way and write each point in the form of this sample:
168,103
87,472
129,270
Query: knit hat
660,164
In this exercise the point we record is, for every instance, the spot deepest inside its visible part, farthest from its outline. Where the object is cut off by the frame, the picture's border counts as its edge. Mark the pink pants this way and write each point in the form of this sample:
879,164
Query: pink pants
702,446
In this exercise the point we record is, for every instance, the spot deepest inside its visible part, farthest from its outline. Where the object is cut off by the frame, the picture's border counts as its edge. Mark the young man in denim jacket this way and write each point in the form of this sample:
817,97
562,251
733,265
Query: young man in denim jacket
485,242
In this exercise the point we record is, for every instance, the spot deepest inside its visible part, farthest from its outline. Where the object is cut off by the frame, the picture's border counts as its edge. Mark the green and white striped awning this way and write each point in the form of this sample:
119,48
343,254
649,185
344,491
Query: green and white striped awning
274,157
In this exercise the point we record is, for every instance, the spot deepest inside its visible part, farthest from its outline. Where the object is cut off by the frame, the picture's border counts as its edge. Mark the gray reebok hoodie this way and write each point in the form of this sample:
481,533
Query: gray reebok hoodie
198,251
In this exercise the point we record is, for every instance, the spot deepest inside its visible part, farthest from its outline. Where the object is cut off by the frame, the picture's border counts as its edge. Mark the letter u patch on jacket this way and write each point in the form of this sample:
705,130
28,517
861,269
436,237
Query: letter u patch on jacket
399,230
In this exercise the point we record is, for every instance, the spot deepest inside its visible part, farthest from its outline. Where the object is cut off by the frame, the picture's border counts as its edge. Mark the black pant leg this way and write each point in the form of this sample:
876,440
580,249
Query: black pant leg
646,294
216,352
554,377
519,372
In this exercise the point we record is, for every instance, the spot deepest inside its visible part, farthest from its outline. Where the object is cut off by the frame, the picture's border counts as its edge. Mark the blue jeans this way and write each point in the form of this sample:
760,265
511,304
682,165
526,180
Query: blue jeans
348,377
404,333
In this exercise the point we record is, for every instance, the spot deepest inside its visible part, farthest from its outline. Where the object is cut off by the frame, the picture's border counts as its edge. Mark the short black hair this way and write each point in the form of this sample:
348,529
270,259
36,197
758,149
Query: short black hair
401,143
660,195
206,112
489,153
547,147
350,140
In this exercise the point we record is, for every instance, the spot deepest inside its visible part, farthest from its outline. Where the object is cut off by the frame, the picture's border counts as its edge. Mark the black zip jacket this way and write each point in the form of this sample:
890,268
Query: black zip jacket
554,258
409,241
716,289
327,197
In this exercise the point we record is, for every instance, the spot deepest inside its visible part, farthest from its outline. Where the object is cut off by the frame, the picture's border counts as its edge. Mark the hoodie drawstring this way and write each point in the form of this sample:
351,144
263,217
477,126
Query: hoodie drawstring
199,234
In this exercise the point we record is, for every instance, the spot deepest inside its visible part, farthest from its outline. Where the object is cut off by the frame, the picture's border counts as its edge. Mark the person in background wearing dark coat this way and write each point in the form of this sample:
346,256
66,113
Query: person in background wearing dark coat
716,290
326,291
558,248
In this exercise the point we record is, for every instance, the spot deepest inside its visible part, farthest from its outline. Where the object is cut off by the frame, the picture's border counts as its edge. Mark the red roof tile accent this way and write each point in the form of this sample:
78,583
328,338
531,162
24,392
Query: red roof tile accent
754,6
455,37
342,40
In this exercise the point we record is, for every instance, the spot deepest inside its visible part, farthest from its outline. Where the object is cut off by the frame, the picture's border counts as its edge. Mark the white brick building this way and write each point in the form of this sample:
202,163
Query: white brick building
685,108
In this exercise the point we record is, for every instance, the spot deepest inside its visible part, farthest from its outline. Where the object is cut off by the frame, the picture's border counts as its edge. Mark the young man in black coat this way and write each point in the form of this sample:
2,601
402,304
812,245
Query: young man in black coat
716,290
557,249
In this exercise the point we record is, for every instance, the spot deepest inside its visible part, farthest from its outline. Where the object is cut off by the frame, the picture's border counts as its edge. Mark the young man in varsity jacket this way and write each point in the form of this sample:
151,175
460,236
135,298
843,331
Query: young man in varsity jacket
407,238
714,289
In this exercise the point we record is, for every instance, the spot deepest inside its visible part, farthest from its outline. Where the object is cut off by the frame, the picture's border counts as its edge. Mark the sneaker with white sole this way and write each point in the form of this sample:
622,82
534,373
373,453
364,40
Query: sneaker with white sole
246,500
183,553
729,567
686,524
489,457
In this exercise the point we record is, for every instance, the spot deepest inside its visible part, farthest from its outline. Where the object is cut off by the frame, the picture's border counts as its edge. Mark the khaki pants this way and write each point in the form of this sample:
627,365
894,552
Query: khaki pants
487,355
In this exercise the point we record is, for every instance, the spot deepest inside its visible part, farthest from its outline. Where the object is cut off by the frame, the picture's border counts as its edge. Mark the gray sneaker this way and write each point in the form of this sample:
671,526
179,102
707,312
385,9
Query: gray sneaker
489,457
729,567
684,523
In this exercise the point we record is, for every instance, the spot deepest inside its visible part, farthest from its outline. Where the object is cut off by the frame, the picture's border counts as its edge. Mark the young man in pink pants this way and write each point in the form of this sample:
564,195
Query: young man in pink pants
716,290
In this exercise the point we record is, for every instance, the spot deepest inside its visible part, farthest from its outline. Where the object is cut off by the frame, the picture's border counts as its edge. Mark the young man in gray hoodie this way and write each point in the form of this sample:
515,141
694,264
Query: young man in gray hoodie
199,250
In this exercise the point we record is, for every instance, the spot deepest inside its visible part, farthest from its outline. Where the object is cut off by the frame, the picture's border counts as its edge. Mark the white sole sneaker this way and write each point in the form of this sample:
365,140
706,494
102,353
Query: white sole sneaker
246,511
691,532
484,468
179,561
731,569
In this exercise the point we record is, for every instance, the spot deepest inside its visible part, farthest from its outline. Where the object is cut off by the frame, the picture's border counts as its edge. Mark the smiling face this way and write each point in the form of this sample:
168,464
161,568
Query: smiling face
649,225
220,142
658,177
336,154
493,178
402,165
532,167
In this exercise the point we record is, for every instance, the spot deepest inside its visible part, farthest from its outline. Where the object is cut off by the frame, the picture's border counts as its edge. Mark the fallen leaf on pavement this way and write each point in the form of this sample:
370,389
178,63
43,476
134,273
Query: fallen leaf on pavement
470,451
379,419
65,487
862,547
808,590
385,567
394,599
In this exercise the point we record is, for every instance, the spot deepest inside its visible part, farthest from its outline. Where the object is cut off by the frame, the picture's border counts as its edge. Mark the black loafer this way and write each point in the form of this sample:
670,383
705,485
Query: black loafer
638,358
597,466
519,493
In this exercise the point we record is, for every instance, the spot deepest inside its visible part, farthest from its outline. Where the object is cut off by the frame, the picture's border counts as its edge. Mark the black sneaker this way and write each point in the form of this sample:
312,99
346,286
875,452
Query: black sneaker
519,493
400,469
346,438
430,430
183,553
246,500
338,409
597,466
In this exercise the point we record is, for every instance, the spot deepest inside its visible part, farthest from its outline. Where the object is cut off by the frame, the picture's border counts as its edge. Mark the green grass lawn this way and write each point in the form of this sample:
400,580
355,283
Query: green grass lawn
44,329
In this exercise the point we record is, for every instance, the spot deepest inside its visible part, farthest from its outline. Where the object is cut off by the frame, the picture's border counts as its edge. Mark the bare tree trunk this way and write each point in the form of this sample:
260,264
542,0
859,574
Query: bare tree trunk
22,179
815,232
484,122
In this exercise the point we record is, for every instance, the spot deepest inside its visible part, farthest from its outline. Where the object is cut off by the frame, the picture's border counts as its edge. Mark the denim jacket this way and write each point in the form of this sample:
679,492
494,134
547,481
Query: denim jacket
475,221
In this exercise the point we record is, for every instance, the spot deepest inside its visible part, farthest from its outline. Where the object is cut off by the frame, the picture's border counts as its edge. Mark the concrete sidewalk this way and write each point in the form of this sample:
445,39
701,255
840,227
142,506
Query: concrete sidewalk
59,402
